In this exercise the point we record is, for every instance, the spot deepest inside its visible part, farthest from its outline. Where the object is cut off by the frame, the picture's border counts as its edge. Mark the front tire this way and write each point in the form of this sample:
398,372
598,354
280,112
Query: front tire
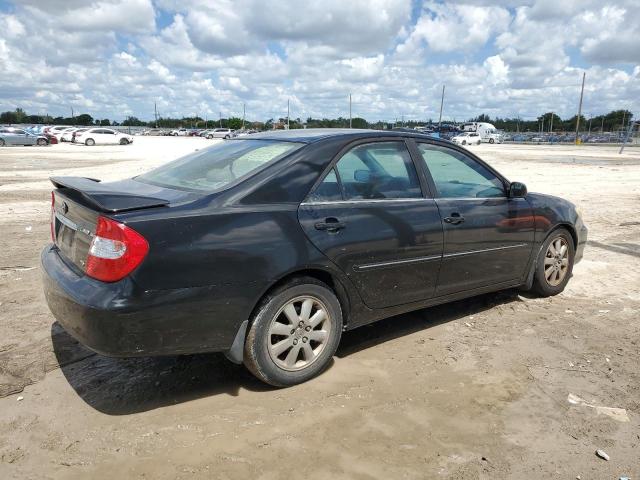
124,141
464,142
554,264
41,142
294,333
2,144
491,140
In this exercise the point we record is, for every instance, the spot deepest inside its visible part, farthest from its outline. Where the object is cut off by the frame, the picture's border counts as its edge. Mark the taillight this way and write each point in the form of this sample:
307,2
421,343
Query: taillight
116,250
53,218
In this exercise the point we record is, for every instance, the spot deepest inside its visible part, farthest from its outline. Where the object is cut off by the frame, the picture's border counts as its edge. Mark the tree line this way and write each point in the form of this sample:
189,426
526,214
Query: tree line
612,121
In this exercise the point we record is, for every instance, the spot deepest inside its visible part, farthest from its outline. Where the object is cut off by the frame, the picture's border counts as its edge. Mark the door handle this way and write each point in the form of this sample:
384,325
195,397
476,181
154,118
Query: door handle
330,224
454,219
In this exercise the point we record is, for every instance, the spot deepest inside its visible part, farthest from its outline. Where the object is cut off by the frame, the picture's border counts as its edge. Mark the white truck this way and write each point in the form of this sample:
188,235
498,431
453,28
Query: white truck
487,131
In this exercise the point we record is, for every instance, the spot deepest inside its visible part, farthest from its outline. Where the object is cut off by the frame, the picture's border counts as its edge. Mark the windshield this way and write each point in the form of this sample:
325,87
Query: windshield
213,168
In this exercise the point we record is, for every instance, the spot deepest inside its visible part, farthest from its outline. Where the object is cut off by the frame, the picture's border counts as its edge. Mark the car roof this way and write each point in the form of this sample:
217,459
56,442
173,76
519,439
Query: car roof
312,135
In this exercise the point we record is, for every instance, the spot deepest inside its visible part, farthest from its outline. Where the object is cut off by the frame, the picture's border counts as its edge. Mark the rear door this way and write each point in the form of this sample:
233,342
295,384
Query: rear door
370,216
488,237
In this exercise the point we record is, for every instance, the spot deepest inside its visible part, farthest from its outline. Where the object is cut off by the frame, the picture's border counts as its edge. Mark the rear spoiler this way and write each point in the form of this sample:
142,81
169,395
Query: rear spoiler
105,197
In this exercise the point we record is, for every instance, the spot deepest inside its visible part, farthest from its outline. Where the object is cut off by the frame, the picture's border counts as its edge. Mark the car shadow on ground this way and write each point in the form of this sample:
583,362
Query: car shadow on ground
123,386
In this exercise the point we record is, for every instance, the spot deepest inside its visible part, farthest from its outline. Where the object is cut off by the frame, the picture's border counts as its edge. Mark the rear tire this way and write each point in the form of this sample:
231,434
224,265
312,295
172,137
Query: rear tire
464,142
554,264
209,137
42,142
89,142
491,140
294,333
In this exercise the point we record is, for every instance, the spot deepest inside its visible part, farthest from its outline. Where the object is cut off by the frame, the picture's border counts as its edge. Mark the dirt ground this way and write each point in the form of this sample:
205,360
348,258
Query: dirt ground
475,389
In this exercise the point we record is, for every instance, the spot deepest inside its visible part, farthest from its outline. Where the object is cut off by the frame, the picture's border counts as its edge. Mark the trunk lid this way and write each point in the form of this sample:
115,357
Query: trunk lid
78,202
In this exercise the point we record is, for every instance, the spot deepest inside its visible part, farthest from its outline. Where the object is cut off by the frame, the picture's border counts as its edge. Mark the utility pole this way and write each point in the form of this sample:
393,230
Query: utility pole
580,109
155,112
624,114
590,118
349,110
441,105
287,114
220,113
72,116
244,112
602,126
551,127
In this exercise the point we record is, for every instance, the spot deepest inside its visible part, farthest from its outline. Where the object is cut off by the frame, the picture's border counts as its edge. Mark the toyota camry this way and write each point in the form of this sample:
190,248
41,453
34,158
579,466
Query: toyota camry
268,247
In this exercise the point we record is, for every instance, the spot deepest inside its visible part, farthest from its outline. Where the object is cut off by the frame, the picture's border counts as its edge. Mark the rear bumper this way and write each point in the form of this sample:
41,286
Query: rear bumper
119,320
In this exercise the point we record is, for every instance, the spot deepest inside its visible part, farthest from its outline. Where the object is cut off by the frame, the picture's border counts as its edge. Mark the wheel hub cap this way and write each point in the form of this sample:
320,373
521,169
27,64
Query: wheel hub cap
556,261
298,333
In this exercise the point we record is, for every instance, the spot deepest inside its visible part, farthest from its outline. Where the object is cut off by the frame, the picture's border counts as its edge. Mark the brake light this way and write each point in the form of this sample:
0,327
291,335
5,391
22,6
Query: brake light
116,250
53,218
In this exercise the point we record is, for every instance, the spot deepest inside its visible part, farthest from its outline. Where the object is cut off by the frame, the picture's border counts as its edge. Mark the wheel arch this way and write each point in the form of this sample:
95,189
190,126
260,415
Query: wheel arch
532,267
236,353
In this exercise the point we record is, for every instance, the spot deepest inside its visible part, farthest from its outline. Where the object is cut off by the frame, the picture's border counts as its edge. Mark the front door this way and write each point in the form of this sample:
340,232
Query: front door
370,217
488,237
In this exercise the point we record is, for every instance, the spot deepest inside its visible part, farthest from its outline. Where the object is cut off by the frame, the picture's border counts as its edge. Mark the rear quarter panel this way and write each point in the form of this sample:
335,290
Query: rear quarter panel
222,259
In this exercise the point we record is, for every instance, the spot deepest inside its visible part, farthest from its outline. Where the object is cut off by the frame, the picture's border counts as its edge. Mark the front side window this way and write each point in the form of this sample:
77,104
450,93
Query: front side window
379,170
458,176
213,168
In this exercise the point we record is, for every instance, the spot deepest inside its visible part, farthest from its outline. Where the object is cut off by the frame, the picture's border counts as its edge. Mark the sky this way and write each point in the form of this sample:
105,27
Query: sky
115,58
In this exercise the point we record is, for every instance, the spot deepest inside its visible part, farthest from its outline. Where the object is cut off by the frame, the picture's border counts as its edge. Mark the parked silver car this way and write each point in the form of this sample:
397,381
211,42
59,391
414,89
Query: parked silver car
220,133
18,136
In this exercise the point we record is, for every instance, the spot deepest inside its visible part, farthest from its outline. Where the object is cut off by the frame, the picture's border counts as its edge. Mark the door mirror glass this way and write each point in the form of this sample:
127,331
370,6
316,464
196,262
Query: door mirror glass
517,190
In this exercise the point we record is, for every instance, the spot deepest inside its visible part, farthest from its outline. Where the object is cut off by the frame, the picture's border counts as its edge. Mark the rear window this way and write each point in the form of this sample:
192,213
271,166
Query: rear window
215,167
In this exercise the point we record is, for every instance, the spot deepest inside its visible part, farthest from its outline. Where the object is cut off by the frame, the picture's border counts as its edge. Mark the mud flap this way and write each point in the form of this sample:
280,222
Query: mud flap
236,353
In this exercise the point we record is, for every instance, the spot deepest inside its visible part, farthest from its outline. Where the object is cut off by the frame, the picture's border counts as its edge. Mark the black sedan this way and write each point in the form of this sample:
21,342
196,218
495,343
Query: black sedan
268,247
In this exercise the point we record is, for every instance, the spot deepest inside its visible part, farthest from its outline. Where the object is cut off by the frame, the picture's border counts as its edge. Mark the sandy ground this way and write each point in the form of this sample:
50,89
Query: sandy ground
474,389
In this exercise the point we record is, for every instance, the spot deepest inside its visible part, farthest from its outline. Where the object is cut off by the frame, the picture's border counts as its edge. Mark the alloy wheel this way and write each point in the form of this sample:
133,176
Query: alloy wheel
556,261
298,333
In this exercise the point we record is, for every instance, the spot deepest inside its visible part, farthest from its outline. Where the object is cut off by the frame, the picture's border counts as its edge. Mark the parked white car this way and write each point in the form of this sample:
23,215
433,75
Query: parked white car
102,136
182,132
220,133
467,138
67,134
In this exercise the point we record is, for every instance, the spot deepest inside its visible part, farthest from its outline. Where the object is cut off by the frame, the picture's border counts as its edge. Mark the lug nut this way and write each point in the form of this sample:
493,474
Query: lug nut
301,323
295,342
304,339
308,329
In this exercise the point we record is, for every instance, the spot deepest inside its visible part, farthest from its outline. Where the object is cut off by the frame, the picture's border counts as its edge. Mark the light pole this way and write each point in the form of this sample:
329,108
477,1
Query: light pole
349,110
287,114
441,105
580,109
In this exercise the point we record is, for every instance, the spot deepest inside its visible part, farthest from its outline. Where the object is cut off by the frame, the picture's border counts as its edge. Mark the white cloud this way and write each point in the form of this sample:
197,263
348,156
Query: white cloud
117,57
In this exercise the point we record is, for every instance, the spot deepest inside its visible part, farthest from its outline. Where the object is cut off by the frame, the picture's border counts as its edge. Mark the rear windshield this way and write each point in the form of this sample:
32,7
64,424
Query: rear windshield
215,167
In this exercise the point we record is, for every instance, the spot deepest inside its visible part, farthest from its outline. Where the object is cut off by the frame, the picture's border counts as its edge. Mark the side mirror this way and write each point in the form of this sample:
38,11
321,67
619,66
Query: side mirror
362,176
517,190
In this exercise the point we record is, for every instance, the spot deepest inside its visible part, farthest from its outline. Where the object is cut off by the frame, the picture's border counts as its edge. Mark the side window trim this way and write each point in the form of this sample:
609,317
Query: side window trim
432,184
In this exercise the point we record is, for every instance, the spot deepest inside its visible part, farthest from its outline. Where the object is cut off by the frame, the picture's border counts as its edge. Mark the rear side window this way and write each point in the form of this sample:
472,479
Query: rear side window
328,190
376,171
215,167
